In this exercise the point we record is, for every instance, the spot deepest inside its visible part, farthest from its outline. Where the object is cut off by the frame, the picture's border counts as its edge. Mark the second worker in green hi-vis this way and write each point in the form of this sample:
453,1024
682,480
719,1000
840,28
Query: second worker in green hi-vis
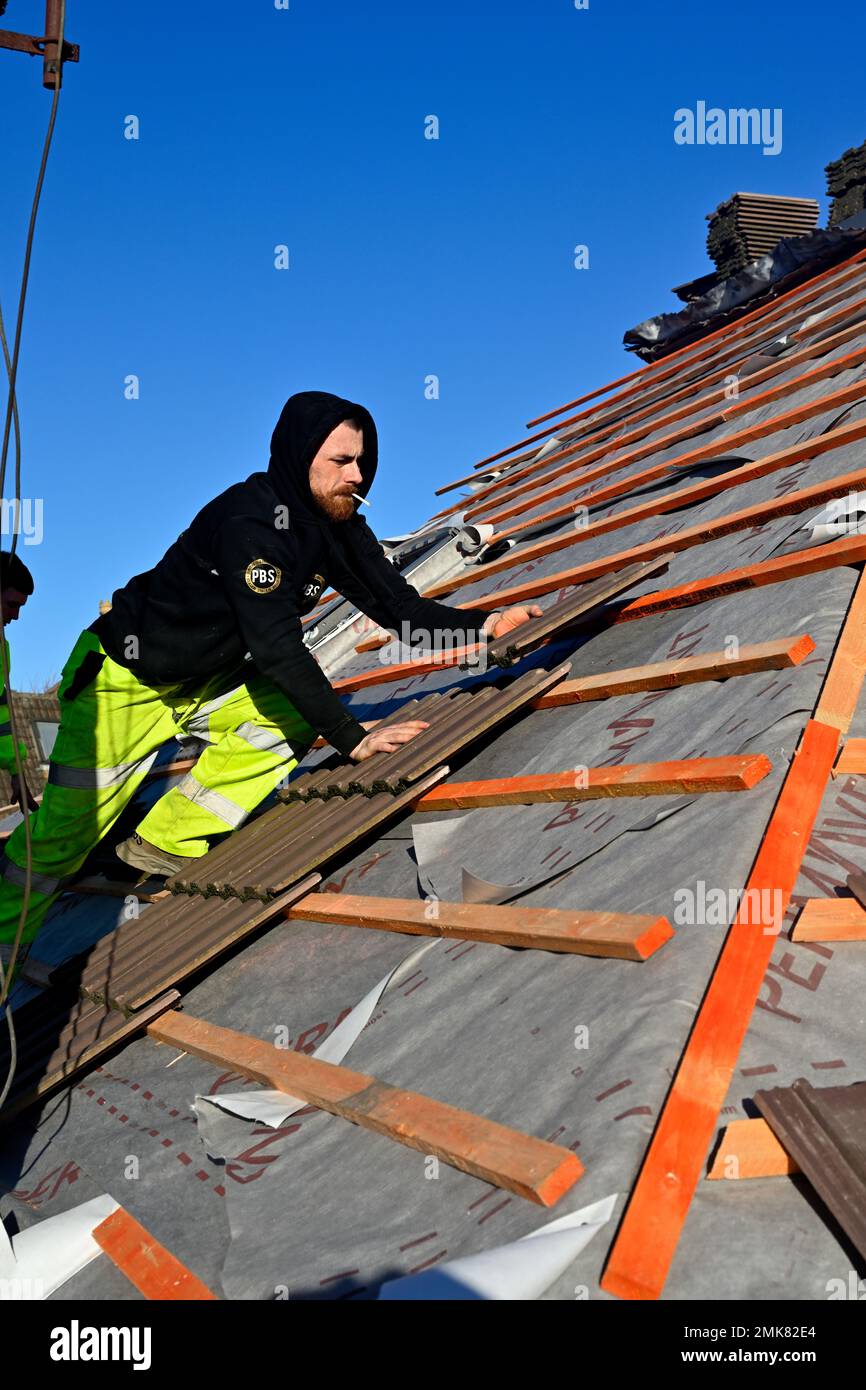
209,642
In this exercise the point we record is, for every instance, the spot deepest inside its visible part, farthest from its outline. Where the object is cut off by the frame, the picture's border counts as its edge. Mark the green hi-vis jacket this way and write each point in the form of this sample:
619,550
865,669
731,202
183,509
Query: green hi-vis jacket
7,746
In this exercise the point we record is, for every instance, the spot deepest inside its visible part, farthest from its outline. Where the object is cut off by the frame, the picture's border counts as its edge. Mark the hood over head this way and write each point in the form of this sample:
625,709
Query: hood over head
306,420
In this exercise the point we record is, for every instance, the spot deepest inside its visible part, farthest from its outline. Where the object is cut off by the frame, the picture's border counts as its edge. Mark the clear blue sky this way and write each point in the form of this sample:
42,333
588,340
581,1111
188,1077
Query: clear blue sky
408,256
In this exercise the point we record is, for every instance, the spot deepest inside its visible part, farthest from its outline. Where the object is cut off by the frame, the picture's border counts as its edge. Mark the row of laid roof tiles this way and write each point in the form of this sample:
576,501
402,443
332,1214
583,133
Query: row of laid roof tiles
296,837
59,1033
456,718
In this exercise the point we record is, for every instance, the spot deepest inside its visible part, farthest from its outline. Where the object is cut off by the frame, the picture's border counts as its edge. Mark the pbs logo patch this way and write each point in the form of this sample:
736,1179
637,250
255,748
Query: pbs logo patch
315,586
262,577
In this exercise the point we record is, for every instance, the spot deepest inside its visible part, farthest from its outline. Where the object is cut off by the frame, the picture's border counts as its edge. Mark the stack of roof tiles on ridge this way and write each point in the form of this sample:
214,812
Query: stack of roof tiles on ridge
748,225
846,185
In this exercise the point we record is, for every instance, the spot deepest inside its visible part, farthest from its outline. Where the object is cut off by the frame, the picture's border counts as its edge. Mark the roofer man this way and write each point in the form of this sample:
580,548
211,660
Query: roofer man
209,643
16,586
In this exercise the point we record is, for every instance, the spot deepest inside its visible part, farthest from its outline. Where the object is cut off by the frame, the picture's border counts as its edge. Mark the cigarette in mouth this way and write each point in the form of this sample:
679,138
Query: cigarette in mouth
358,498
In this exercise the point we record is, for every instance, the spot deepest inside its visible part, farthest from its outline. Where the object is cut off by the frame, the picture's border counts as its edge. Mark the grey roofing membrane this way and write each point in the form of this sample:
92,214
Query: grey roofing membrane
324,1210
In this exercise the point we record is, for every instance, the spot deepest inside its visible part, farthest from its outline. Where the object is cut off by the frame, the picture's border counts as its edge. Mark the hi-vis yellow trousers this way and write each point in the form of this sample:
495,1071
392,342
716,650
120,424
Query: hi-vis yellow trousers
110,733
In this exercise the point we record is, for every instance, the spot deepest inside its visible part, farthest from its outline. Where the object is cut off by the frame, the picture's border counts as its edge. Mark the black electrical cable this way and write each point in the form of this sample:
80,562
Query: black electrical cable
6,971
16,423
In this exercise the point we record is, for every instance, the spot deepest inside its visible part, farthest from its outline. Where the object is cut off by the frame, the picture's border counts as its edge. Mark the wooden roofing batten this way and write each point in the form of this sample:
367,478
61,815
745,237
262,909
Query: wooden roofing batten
831,919
763,314
657,1208
688,775
848,550
147,1264
625,936
711,451
758,514
751,402
532,1168
645,1244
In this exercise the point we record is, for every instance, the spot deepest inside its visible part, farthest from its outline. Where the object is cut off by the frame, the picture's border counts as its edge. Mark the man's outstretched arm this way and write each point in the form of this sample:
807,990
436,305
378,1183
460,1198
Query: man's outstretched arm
384,595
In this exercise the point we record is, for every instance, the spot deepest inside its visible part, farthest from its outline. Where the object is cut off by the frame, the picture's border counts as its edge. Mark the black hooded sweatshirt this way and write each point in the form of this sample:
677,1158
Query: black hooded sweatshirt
251,563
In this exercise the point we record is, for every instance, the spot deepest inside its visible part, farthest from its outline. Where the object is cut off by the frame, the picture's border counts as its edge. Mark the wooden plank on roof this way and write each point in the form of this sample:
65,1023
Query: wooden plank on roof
659,1203
848,550
664,675
642,511
147,1264
777,570
748,402
625,936
831,919
687,670
714,448
689,354
750,1149
769,463
817,344
758,514
671,364
416,666
841,690
573,453
739,772
647,1239
532,1168
724,365
560,616
852,760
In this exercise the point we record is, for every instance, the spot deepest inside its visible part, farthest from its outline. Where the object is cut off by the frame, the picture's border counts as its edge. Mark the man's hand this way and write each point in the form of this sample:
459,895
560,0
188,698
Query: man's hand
21,795
506,619
388,740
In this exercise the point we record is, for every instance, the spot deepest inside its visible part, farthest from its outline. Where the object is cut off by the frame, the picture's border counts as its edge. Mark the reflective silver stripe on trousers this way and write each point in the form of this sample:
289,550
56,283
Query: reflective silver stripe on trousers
199,723
212,801
90,778
268,740
41,883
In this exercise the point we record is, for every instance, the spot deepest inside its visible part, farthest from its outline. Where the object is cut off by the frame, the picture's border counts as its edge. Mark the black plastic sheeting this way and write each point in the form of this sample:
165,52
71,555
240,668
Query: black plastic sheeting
795,258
